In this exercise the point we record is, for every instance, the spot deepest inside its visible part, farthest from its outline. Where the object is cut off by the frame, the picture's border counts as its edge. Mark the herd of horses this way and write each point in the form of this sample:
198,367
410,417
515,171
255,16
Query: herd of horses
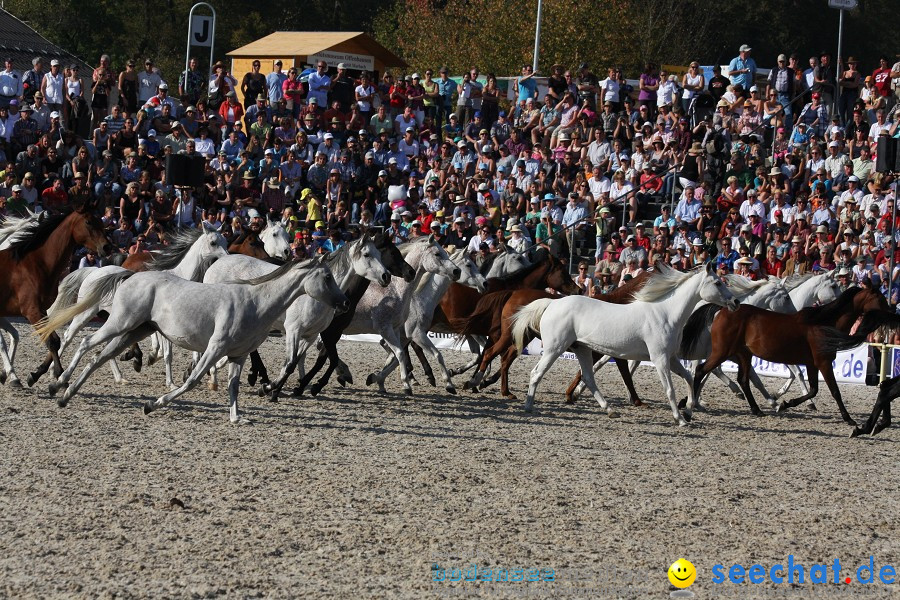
221,303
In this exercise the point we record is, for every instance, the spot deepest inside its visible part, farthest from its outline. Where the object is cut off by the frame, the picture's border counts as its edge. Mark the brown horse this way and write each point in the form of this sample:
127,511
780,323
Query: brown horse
499,307
249,246
811,337
138,261
31,268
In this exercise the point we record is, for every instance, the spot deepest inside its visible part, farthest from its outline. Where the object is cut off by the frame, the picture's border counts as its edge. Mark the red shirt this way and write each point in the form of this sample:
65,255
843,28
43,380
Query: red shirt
772,268
54,199
882,78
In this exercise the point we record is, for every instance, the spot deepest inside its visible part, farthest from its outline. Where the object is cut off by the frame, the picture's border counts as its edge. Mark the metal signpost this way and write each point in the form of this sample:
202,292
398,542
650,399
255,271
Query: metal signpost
841,5
201,32
537,39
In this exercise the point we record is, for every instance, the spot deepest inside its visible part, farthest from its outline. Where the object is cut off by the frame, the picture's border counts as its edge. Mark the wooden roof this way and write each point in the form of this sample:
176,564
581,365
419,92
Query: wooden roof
305,43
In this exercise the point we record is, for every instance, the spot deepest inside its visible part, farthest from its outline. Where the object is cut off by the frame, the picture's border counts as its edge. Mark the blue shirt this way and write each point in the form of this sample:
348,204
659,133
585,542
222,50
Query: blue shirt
527,89
726,261
744,79
687,210
446,89
573,214
273,83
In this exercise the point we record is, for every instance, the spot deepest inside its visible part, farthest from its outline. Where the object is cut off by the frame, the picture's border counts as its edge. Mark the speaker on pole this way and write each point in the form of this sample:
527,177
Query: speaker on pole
185,171
888,157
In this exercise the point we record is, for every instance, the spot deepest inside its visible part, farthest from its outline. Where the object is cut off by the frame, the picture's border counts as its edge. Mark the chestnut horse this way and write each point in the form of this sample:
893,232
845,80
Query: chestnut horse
32,266
497,309
811,337
251,245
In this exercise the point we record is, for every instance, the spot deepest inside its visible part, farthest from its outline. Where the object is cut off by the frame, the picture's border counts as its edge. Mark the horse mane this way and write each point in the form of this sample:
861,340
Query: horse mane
277,272
30,233
489,261
169,256
741,286
339,260
815,315
411,245
699,322
795,281
660,285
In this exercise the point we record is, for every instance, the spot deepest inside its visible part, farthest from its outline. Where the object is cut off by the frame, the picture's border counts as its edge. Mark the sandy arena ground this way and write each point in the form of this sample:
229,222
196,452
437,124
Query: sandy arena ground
355,495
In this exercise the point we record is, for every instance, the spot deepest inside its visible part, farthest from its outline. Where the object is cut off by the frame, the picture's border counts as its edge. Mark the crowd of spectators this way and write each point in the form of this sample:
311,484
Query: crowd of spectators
762,175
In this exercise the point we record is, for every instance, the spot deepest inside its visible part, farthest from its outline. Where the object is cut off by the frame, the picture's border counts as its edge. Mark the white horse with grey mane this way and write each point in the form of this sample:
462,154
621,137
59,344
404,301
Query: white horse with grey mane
428,295
384,310
306,318
189,254
650,328
220,320
275,239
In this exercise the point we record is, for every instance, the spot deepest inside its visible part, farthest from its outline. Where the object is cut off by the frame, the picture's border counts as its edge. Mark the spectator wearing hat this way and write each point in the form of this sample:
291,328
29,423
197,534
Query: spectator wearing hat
25,131
815,115
743,266
797,262
230,111
742,68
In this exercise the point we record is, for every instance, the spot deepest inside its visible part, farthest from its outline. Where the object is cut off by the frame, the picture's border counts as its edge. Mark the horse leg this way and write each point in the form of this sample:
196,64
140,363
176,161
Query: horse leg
155,349
627,379
812,375
7,365
577,385
195,356
291,357
828,375
586,360
679,369
745,368
257,364
421,354
138,355
304,381
166,347
117,340
889,389
52,358
117,374
207,361
423,344
661,361
490,352
508,357
574,389
540,369
396,345
797,374
334,362
758,384
234,384
8,354
475,348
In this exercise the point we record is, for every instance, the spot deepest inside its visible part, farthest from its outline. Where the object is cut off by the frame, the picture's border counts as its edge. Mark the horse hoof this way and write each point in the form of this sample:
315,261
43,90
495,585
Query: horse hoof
613,414
510,397
2,378
407,391
297,392
251,378
148,407
52,389
781,408
273,397
811,407
32,379
850,422
451,390
432,382
314,390
758,413
262,391
341,382
637,402
152,360
569,399
682,423
15,383
122,382
241,421
370,379
856,432
62,402
138,364
688,416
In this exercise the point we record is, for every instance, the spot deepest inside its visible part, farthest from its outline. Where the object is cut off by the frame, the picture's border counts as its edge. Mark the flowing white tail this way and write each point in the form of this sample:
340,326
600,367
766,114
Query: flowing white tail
528,318
68,289
102,287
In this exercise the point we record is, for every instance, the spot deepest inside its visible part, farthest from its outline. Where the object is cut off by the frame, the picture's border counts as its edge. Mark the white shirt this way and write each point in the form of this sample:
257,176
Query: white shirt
598,153
599,186
753,208
611,87
10,83
148,83
53,88
365,105
316,81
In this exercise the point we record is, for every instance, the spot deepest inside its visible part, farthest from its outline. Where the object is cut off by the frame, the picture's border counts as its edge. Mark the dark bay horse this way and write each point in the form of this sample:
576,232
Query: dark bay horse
31,268
251,245
393,261
811,337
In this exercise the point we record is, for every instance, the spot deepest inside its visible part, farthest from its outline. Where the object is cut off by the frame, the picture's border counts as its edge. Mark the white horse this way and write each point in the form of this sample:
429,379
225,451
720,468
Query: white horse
221,320
276,240
697,343
425,300
189,254
8,354
649,328
306,318
384,310
502,264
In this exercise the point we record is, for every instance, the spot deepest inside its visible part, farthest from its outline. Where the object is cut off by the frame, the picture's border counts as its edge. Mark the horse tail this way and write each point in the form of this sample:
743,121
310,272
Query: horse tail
699,322
67,294
528,318
483,314
99,289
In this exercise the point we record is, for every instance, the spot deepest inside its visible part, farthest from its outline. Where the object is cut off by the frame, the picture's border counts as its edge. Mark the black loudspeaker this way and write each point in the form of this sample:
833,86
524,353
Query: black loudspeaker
185,171
888,158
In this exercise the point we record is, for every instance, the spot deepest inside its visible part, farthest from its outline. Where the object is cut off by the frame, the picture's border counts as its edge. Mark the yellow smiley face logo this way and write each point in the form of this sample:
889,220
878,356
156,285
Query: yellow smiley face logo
682,573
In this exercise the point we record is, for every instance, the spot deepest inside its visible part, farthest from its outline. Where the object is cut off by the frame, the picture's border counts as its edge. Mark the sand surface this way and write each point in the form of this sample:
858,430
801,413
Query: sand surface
357,495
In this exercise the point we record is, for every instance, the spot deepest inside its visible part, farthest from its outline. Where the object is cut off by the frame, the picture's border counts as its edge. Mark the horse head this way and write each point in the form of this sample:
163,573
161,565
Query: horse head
87,230
392,258
470,276
714,290
365,259
434,259
276,240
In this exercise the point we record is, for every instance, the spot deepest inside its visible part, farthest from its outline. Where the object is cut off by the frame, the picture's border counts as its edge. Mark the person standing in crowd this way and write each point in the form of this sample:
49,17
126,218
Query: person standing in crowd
742,68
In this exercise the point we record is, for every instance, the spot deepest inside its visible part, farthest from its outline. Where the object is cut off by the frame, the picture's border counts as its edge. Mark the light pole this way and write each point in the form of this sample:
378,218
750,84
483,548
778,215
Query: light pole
537,38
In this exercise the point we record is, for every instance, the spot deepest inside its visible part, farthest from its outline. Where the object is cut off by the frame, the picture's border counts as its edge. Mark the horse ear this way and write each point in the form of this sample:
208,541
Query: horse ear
709,268
430,238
